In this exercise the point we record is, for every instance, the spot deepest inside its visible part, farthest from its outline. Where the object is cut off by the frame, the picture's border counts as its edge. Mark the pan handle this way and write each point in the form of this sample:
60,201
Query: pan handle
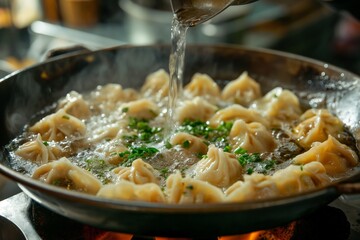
348,188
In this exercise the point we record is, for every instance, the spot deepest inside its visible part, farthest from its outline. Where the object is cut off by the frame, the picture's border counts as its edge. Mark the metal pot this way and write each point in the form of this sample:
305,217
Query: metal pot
317,84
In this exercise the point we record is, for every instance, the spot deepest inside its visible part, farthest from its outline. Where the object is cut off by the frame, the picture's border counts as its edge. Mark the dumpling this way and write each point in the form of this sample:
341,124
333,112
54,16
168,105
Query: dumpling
156,84
108,97
315,126
219,168
57,126
196,109
109,150
253,137
125,190
235,112
141,109
297,179
202,85
336,157
192,143
140,172
39,151
279,105
100,128
242,90
63,173
255,186
285,182
75,105
188,190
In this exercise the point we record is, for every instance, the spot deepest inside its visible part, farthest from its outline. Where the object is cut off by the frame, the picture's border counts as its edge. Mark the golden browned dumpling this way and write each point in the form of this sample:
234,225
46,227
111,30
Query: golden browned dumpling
315,126
337,158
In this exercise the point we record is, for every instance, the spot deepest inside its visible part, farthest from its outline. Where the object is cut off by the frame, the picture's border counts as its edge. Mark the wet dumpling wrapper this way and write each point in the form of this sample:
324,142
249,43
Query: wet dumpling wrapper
156,84
64,174
253,137
39,152
235,112
202,85
219,168
243,90
191,143
57,126
75,105
140,172
279,105
196,109
141,109
187,190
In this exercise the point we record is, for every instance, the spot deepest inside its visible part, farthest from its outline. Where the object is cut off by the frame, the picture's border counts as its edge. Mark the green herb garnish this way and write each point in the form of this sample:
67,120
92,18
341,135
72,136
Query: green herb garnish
137,152
186,144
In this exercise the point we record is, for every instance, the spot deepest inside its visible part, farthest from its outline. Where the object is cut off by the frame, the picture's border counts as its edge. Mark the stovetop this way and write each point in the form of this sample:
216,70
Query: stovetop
18,212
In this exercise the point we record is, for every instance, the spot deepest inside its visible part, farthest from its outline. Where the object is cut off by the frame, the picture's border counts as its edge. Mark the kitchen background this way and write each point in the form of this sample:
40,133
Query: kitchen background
29,29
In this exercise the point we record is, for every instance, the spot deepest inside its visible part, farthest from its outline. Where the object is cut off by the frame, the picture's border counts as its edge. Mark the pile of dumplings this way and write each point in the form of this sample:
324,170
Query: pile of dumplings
96,122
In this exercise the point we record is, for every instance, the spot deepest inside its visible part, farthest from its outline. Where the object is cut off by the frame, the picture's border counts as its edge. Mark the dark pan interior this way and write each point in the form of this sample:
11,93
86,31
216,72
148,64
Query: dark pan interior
27,92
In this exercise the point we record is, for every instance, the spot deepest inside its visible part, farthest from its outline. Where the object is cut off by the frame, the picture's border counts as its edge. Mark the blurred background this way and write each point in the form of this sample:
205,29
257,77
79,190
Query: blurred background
29,29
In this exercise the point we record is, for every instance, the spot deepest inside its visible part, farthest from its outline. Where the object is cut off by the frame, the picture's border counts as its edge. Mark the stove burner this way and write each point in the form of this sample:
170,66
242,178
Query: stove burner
37,222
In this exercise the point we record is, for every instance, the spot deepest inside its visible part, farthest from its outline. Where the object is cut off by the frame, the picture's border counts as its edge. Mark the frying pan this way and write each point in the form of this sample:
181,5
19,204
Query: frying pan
317,84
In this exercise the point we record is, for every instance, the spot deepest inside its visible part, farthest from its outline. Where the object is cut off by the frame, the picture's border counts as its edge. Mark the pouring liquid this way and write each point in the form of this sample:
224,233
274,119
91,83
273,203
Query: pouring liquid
176,69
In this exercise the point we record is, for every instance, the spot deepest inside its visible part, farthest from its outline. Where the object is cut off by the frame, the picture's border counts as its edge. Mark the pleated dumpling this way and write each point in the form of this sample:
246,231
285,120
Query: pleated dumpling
75,105
202,85
253,137
219,168
140,172
125,190
243,90
336,157
235,112
156,84
188,190
57,126
39,151
315,126
279,105
109,150
141,109
100,128
108,97
296,179
191,143
64,174
255,186
195,109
